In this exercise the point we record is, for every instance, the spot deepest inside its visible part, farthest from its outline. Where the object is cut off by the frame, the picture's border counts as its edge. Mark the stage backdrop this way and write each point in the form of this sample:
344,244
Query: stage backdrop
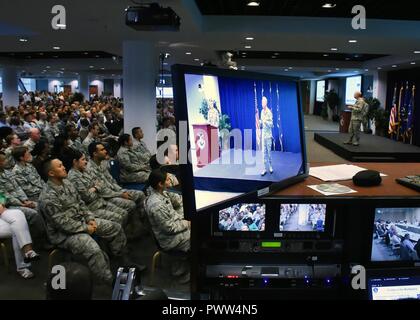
238,98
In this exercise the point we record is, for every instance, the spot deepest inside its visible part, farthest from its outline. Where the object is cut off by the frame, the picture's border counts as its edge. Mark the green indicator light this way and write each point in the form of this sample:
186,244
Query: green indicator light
271,244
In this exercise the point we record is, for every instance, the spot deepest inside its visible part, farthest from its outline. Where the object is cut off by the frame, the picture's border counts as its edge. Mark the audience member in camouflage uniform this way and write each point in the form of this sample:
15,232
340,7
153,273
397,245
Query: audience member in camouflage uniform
26,175
89,192
17,199
70,224
139,146
12,141
166,216
92,136
132,167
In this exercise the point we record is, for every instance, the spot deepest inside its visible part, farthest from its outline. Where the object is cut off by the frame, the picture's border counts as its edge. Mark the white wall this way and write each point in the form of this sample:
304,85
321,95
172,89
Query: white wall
100,85
312,97
59,82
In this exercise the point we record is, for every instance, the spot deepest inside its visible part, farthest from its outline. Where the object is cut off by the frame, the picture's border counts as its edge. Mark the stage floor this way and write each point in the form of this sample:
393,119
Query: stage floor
372,148
238,171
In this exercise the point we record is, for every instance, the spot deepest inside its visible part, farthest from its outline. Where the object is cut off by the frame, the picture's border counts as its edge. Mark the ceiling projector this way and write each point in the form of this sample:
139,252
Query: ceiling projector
152,17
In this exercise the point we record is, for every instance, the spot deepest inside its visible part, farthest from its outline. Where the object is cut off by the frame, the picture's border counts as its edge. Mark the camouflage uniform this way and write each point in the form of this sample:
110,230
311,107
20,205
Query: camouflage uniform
51,132
15,198
89,139
165,213
30,144
102,209
29,180
133,169
357,117
67,217
142,151
77,145
10,160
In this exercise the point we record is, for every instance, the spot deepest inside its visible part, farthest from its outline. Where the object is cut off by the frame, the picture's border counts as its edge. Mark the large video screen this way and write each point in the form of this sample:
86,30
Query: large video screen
302,217
353,84
243,217
320,91
245,133
396,234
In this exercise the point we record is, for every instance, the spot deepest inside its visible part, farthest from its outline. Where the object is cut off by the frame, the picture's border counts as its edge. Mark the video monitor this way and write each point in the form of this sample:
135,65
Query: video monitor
396,234
302,217
353,84
243,218
394,288
245,133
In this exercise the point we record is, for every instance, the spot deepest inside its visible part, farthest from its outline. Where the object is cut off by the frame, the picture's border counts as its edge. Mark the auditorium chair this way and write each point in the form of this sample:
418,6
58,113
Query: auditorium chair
115,169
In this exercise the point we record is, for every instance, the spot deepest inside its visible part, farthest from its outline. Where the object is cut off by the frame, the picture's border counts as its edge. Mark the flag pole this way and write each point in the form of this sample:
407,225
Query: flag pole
257,118
399,112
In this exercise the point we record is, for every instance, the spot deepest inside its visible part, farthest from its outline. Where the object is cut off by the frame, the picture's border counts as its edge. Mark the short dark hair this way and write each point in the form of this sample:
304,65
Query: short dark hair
123,139
92,126
79,283
157,176
46,167
133,131
19,152
92,148
69,156
9,138
84,123
39,147
154,164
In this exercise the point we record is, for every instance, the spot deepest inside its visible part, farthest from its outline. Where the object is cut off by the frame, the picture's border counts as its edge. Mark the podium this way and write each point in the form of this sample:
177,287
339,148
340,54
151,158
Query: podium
345,118
206,139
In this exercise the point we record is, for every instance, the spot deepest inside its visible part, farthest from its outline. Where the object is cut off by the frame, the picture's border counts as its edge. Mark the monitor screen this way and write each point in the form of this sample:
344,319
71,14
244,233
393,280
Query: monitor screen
302,217
396,234
245,133
394,288
243,217
320,91
353,84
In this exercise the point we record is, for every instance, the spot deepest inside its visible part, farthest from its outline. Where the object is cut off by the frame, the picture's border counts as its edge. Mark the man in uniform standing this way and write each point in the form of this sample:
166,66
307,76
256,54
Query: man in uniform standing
267,135
357,115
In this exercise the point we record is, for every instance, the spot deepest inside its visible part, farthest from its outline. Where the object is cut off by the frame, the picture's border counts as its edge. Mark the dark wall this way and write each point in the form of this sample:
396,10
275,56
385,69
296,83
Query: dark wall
108,86
401,77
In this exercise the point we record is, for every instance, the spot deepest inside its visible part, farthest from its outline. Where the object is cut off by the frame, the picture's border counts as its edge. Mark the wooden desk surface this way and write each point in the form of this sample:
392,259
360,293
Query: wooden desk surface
388,189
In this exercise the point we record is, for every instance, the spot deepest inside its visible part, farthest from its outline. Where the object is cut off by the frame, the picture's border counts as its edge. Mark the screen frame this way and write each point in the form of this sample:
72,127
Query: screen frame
393,264
316,91
181,111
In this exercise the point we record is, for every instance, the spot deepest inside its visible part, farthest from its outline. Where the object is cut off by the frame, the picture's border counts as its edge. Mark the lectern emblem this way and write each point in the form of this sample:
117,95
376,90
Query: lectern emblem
201,143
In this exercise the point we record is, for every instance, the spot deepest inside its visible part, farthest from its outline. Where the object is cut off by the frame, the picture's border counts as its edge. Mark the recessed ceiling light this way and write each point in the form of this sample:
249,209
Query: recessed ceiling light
334,49
188,53
412,63
286,70
63,69
196,59
338,69
329,5
23,40
416,52
290,68
366,70
277,54
329,70
91,67
253,4
102,68
347,59
86,53
379,68
326,55
97,56
352,41
248,47
394,66
47,67
56,48
55,57
249,38
273,57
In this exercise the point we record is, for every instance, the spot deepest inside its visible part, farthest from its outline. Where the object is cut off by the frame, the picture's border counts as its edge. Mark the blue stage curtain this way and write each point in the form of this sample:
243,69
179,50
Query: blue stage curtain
237,100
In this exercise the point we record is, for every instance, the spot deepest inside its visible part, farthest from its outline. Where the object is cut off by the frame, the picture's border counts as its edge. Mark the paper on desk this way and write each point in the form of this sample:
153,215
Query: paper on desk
340,172
332,189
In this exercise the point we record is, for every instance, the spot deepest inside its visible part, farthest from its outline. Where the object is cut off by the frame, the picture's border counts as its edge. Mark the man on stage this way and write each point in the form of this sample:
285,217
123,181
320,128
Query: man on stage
357,116
267,135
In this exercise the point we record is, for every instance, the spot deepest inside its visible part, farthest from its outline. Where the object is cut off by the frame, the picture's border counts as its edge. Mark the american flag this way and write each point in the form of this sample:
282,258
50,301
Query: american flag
257,118
393,117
